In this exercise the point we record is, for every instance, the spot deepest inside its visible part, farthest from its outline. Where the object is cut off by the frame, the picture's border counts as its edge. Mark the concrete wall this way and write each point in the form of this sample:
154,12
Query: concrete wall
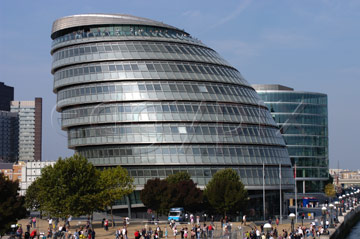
350,220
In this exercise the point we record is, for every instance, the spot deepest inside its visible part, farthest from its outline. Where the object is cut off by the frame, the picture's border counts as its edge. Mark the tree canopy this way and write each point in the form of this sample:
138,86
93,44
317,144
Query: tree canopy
115,183
226,193
330,190
32,196
69,187
73,186
11,204
152,196
178,177
177,190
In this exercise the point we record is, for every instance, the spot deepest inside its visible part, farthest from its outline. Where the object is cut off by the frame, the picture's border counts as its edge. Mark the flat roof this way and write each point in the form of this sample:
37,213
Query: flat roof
271,87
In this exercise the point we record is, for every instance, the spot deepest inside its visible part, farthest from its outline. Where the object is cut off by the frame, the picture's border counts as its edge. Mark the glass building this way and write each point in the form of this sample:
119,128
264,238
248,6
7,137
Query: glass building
303,121
149,97
29,115
8,136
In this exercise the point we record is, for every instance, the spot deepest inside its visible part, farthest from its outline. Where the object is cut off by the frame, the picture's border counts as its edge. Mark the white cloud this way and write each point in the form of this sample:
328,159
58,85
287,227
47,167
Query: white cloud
239,9
192,13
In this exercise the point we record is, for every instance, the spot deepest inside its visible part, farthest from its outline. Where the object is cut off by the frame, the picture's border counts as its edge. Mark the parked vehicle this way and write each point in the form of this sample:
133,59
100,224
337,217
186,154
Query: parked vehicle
177,214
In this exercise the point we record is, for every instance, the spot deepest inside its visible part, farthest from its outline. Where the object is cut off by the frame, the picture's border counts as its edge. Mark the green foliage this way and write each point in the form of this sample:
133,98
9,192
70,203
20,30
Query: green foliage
69,187
226,193
154,195
178,177
330,190
11,204
32,201
115,183
185,194
177,190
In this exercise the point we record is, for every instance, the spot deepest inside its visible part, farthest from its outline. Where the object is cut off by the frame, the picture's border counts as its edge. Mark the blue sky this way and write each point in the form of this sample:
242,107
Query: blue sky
308,45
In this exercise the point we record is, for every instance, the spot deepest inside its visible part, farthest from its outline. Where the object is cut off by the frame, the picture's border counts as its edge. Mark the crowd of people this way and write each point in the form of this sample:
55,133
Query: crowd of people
55,230
302,232
193,229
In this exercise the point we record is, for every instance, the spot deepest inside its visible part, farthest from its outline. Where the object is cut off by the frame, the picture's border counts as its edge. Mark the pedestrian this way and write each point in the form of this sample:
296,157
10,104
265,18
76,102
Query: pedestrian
210,231
106,224
166,233
124,233
175,232
137,234
50,222
118,233
244,220
34,221
19,231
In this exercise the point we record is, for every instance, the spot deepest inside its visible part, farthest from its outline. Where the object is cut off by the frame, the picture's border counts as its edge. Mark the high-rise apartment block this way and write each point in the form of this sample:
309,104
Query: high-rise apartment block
29,115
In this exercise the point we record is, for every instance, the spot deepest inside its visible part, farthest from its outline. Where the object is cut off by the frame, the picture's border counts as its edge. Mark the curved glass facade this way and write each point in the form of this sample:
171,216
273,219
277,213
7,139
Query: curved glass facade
149,97
303,121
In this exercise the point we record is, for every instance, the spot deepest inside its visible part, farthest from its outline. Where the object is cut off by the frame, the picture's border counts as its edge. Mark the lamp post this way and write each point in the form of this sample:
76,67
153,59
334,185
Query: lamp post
337,209
323,209
292,217
267,228
331,206
340,202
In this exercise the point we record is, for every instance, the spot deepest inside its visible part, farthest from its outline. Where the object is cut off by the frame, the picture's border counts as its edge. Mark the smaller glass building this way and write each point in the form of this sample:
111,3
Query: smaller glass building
303,121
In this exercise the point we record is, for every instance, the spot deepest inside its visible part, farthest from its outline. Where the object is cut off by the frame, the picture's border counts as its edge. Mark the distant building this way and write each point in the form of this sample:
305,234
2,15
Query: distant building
31,171
6,96
12,171
8,136
29,128
303,121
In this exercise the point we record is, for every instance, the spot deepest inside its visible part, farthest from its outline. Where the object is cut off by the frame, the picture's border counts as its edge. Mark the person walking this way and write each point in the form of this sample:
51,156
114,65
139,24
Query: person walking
166,233
106,224
34,222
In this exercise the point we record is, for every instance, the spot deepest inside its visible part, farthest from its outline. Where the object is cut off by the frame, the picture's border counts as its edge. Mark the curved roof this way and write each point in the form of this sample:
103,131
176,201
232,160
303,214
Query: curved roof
100,19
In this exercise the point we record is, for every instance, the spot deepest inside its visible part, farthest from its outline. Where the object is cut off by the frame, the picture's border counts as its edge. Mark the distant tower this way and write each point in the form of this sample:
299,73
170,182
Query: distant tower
8,136
30,129
6,96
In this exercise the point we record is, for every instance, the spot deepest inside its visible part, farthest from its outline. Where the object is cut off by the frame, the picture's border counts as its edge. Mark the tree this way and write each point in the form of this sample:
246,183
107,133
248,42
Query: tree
11,204
115,183
69,187
178,177
32,201
154,195
185,194
225,192
177,190
330,190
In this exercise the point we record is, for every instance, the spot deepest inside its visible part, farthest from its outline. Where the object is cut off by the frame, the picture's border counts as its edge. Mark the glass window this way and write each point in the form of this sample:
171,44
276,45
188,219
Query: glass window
182,130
